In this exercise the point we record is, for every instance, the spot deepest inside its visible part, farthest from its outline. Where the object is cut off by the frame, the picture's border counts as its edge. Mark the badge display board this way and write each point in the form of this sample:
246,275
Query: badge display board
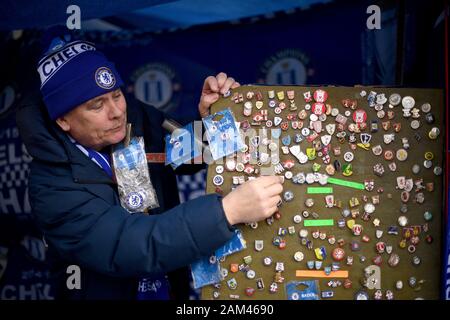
380,227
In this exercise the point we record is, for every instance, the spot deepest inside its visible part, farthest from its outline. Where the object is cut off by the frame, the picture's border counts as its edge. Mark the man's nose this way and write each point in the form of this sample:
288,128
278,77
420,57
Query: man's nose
115,111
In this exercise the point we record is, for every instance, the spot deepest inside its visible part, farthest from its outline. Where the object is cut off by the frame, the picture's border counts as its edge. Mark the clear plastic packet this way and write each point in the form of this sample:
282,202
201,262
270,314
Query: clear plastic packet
223,134
235,244
136,191
205,271
181,146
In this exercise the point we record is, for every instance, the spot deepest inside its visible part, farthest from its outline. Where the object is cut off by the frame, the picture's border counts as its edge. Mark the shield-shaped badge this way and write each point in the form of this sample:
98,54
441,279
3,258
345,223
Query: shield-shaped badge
389,249
365,138
329,201
386,125
409,184
379,234
298,138
369,185
307,96
275,133
277,120
397,126
259,245
317,126
286,140
302,158
294,125
326,159
284,125
326,139
331,127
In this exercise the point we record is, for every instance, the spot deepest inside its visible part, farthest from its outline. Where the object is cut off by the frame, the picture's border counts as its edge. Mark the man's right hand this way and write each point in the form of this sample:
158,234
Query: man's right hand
254,200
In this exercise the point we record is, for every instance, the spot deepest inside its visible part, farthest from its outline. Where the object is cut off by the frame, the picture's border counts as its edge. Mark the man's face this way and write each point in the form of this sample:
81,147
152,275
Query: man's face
98,122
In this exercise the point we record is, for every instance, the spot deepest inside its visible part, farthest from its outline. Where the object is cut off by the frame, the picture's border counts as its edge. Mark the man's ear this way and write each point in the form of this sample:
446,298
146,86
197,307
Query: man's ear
63,123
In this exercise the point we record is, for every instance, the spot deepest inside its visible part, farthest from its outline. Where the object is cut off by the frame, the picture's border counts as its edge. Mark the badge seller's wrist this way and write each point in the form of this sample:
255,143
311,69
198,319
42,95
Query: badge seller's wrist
228,210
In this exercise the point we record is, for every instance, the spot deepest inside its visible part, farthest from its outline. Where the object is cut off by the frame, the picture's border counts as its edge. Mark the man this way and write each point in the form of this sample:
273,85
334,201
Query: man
72,190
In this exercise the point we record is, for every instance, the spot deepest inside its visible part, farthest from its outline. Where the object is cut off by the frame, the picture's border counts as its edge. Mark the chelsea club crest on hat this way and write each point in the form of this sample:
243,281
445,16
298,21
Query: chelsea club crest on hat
105,78
73,72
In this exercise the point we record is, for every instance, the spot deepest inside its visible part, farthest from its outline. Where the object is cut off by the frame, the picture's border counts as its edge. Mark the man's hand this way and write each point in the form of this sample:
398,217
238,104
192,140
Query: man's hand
253,201
212,87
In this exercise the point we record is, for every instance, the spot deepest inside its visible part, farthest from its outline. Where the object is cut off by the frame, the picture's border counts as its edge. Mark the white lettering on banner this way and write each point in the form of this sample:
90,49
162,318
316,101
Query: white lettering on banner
3,161
9,200
10,133
9,154
36,291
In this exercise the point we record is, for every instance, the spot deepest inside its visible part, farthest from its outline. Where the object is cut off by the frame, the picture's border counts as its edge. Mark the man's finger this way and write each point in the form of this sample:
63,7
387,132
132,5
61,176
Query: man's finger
235,85
273,189
266,181
273,201
227,85
210,84
221,78
272,210
205,103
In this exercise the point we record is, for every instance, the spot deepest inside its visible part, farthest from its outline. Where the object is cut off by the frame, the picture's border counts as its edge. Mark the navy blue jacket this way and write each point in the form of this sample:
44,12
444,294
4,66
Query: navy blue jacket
76,206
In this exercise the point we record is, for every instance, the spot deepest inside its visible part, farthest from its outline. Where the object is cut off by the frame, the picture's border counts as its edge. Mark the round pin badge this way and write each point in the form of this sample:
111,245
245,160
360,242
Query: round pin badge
395,99
251,274
369,208
402,154
426,107
218,180
299,256
388,155
104,78
303,233
402,221
334,112
134,200
408,102
219,169
348,156
415,124
437,171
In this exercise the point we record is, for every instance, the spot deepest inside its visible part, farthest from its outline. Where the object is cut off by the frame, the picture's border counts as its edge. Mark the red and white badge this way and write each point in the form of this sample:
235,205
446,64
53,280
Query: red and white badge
318,108
338,254
359,116
320,95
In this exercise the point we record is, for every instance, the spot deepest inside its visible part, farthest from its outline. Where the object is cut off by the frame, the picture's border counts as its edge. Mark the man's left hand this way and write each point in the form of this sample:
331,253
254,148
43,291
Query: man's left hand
212,87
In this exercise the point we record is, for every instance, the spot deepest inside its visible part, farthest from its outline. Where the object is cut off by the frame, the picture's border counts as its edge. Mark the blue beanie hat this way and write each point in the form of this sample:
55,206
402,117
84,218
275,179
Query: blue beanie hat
73,73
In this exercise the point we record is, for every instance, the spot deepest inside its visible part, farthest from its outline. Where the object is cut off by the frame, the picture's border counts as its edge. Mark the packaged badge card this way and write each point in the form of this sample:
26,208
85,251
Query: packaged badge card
136,191
302,290
222,134
181,146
